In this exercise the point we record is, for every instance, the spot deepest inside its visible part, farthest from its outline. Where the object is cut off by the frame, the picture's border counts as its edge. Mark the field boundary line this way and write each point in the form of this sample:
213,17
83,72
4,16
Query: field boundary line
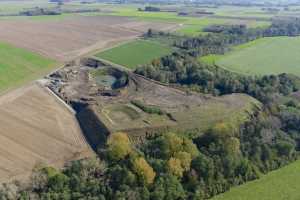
100,50
71,110
47,89
241,18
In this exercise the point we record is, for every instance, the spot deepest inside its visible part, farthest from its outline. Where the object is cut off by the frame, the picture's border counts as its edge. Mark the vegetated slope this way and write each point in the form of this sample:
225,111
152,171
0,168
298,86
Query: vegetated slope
135,53
282,184
36,130
18,66
264,56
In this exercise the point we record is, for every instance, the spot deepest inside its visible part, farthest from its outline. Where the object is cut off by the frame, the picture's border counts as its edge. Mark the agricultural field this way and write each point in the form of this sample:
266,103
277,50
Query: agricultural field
69,38
194,27
37,130
135,53
263,56
191,26
277,185
11,7
18,66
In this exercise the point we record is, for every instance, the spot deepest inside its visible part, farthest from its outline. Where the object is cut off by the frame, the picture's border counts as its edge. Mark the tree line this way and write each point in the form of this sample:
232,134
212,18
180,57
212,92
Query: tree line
221,37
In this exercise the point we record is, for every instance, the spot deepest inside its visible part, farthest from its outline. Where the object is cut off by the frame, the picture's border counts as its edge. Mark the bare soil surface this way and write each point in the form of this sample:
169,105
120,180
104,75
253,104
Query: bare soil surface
139,106
69,38
37,129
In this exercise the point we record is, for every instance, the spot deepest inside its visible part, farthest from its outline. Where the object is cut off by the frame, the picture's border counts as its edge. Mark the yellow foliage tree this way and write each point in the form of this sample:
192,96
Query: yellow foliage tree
174,143
174,167
144,170
185,160
223,129
190,147
119,145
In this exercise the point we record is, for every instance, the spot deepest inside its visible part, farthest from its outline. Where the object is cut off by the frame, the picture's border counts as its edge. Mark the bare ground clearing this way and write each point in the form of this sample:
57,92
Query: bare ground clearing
69,38
109,100
36,130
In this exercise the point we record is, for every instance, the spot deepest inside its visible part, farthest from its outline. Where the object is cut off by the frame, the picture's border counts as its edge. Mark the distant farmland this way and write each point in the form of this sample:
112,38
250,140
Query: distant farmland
18,66
264,56
191,26
277,185
194,27
135,53
70,37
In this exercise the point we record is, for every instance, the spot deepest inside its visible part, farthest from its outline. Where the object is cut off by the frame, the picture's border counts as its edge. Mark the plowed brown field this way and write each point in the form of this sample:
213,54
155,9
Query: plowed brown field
69,38
36,129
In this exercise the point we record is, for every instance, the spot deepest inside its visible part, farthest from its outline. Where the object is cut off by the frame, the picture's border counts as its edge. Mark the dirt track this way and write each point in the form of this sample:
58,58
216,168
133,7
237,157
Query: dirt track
71,37
36,129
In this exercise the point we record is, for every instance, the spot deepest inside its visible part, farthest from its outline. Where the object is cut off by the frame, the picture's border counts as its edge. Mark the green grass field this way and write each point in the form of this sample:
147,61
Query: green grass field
194,26
18,66
135,53
263,56
282,184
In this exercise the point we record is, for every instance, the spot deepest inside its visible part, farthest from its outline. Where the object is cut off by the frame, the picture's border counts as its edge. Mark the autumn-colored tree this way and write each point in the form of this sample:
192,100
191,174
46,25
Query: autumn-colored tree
174,167
190,147
223,129
172,144
144,170
119,146
185,160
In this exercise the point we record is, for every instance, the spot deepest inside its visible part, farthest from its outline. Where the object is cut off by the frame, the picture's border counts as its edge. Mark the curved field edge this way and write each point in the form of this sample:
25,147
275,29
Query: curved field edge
264,56
135,53
19,66
277,185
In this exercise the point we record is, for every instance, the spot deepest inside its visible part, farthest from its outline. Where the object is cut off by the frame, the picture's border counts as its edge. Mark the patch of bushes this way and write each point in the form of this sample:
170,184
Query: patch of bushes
147,108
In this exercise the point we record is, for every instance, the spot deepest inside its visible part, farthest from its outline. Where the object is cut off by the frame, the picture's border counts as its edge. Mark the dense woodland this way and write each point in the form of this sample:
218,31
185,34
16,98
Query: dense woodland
173,166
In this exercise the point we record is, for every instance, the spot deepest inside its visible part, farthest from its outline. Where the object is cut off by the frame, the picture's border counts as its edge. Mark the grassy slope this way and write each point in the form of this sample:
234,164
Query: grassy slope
282,184
18,66
134,53
264,56
233,109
